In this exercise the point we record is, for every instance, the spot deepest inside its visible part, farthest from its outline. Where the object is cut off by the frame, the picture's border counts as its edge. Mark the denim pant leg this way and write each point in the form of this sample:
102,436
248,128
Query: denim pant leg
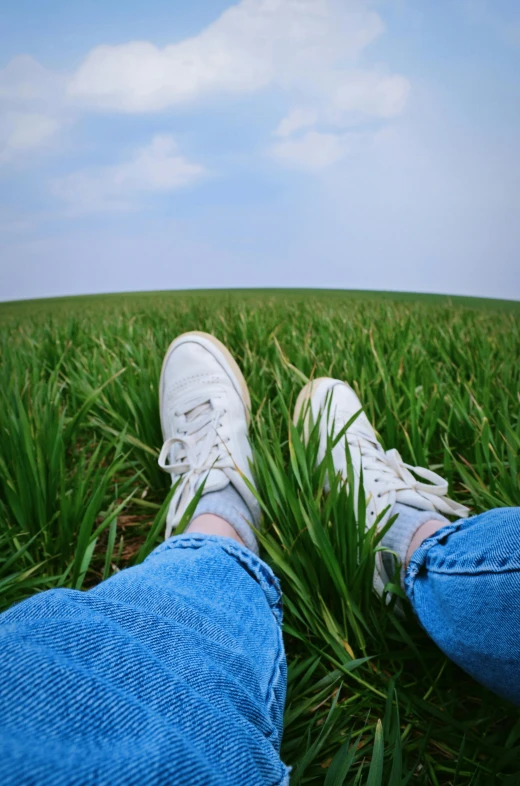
464,584
171,672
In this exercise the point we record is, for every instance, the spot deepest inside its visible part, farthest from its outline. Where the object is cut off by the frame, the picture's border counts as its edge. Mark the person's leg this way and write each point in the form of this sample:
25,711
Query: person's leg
172,671
463,578
210,524
464,585
169,672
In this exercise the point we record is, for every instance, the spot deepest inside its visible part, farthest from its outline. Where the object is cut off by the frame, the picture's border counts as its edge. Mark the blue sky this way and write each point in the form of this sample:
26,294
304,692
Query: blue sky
314,143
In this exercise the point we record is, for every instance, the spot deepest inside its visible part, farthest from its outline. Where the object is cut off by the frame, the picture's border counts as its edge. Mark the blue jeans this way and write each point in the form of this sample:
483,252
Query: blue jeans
171,672
174,671
464,584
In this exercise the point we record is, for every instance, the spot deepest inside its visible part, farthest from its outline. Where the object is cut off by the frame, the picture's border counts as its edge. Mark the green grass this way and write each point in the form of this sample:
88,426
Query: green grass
371,700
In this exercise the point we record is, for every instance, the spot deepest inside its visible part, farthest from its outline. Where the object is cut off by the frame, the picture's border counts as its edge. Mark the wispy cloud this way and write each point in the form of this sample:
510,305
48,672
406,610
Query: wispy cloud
25,80
21,132
157,168
32,107
313,151
298,118
346,102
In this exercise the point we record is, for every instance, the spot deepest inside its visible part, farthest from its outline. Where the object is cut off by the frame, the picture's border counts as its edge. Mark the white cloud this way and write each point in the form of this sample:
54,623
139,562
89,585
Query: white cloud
25,131
31,107
159,167
254,44
348,98
369,94
313,151
24,80
300,117
306,49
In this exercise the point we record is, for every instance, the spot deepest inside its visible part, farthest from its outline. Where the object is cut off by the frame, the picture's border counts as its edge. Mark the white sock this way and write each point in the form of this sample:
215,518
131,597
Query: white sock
229,505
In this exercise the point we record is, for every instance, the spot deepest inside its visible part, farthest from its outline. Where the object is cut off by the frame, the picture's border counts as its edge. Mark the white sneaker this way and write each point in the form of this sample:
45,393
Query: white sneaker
204,405
386,478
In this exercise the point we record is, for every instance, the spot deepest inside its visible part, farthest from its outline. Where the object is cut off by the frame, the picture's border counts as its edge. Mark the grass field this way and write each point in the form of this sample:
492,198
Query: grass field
81,495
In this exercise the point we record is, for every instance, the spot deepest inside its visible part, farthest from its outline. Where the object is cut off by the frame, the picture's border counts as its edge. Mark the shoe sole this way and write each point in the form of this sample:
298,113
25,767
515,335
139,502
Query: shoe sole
233,369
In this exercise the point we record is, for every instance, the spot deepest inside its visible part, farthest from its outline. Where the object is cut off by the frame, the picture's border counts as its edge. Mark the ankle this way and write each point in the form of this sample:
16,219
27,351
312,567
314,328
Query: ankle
402,538
424,532
226,507
211,524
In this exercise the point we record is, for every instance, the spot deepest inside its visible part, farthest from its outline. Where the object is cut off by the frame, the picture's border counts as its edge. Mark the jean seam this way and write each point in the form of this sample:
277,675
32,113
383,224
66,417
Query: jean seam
255,566
473,572
263,575
285,777
270,699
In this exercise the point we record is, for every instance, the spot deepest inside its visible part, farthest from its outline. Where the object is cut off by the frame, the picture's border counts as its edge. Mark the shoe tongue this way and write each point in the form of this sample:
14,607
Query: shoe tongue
414,499
216,480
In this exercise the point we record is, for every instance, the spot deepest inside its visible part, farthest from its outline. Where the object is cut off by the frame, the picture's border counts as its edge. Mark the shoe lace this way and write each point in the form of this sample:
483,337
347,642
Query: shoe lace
393,474
195,449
